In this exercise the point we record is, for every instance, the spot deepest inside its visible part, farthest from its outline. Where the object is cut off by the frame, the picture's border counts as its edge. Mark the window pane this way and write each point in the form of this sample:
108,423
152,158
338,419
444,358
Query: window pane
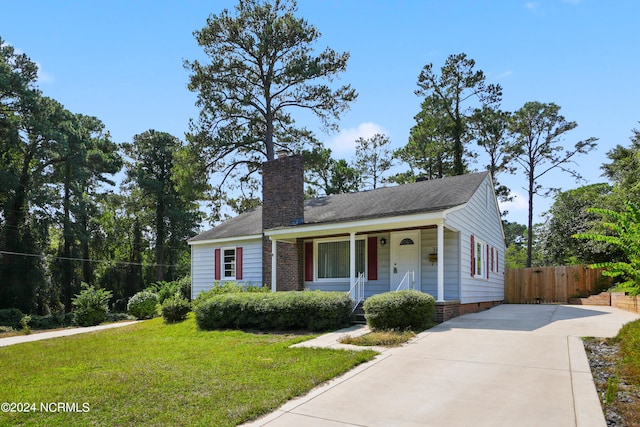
333,259
229,263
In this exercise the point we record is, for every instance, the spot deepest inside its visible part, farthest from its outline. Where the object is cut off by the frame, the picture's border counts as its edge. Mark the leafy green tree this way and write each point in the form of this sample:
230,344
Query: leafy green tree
429,151
624,170
317,167
261,66
516,236
119,239
325,175
344,178
490,129
538,129
18,96
32,128
373,159
623,233
88,156
168,191
568,216
514,233
453,96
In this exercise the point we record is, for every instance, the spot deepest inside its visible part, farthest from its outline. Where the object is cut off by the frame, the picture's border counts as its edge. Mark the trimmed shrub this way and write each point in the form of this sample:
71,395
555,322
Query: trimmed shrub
315,311
400,310
143,305
11,317
164,290
184,287
52,321
117,317
90,306
175,308
227,288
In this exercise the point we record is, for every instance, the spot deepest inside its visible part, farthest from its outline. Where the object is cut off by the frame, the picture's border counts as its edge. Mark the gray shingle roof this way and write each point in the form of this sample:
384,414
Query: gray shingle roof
419,197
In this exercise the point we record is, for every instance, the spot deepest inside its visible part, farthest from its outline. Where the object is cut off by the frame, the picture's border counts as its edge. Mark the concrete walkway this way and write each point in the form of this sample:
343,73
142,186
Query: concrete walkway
37,336
513,365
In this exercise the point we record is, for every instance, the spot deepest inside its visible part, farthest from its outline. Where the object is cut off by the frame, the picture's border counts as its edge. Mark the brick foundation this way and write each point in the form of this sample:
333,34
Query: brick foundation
475,307
446,310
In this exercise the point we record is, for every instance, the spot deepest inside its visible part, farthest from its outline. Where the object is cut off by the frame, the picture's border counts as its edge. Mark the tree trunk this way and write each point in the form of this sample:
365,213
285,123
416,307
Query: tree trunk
160,240
530,221
12,288
67,236
87,271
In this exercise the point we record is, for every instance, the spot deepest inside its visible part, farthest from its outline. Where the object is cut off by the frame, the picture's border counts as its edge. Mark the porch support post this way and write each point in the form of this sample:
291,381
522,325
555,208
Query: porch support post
440,296
274,264
352,259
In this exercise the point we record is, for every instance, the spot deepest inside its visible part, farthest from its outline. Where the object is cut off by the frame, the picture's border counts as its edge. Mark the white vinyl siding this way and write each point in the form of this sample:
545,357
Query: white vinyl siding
451,264
480,218
203,264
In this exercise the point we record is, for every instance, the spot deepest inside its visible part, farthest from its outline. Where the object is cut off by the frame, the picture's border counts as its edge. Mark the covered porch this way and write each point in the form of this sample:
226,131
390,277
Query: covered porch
364,258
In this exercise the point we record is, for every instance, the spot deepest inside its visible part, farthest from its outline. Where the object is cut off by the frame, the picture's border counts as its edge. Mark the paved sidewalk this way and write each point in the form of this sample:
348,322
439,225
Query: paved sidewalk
513,365
37,336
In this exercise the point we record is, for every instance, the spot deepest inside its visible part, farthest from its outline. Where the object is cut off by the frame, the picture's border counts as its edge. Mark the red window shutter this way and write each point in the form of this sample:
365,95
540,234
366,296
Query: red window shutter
497,261
473,256
372,258
487,261
238,263
308,261
217,264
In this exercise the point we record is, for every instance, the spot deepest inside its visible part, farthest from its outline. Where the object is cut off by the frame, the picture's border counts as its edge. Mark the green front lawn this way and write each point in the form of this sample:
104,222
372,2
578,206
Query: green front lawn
152,373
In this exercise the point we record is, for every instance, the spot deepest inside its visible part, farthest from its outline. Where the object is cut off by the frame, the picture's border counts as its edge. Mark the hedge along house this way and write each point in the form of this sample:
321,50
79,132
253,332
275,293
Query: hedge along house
443,237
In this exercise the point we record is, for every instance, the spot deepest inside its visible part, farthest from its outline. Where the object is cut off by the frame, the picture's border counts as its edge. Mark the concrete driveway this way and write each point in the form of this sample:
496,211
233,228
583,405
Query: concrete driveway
513,365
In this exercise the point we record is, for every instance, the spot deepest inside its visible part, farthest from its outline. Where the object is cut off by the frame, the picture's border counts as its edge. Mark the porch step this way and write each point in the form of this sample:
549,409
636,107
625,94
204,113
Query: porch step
358,315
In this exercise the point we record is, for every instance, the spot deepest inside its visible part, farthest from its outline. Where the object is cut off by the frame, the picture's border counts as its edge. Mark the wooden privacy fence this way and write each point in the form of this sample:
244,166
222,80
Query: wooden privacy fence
551,284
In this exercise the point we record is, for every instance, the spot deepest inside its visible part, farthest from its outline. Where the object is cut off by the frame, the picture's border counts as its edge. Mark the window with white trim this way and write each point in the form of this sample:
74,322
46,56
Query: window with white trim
332,258
480,258
229,263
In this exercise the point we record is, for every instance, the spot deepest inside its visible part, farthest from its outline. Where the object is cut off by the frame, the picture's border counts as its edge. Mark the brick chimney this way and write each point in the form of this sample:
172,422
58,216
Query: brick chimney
283,206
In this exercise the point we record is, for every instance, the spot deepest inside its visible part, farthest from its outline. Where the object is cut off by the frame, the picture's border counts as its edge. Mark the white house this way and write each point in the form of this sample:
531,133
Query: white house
443,237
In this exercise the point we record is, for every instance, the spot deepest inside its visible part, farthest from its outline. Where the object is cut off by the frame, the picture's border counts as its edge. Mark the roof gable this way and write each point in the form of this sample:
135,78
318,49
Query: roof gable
419,197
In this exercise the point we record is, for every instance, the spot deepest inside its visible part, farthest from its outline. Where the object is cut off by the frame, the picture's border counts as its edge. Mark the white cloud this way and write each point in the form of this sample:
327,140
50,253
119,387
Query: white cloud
44,76
532,5
344,143
518,208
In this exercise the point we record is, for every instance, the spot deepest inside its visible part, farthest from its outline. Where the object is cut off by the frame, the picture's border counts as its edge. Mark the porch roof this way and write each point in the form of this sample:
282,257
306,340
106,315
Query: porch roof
420,200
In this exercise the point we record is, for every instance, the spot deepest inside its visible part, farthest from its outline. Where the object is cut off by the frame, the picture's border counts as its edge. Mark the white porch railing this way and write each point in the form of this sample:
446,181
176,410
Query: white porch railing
357,291
407,282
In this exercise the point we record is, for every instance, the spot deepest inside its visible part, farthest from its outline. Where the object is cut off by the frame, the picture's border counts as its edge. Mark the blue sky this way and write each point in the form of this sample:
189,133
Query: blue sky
122,61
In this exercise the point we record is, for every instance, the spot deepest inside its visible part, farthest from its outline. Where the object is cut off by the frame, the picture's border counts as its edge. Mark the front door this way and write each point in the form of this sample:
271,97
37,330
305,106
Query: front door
405,258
